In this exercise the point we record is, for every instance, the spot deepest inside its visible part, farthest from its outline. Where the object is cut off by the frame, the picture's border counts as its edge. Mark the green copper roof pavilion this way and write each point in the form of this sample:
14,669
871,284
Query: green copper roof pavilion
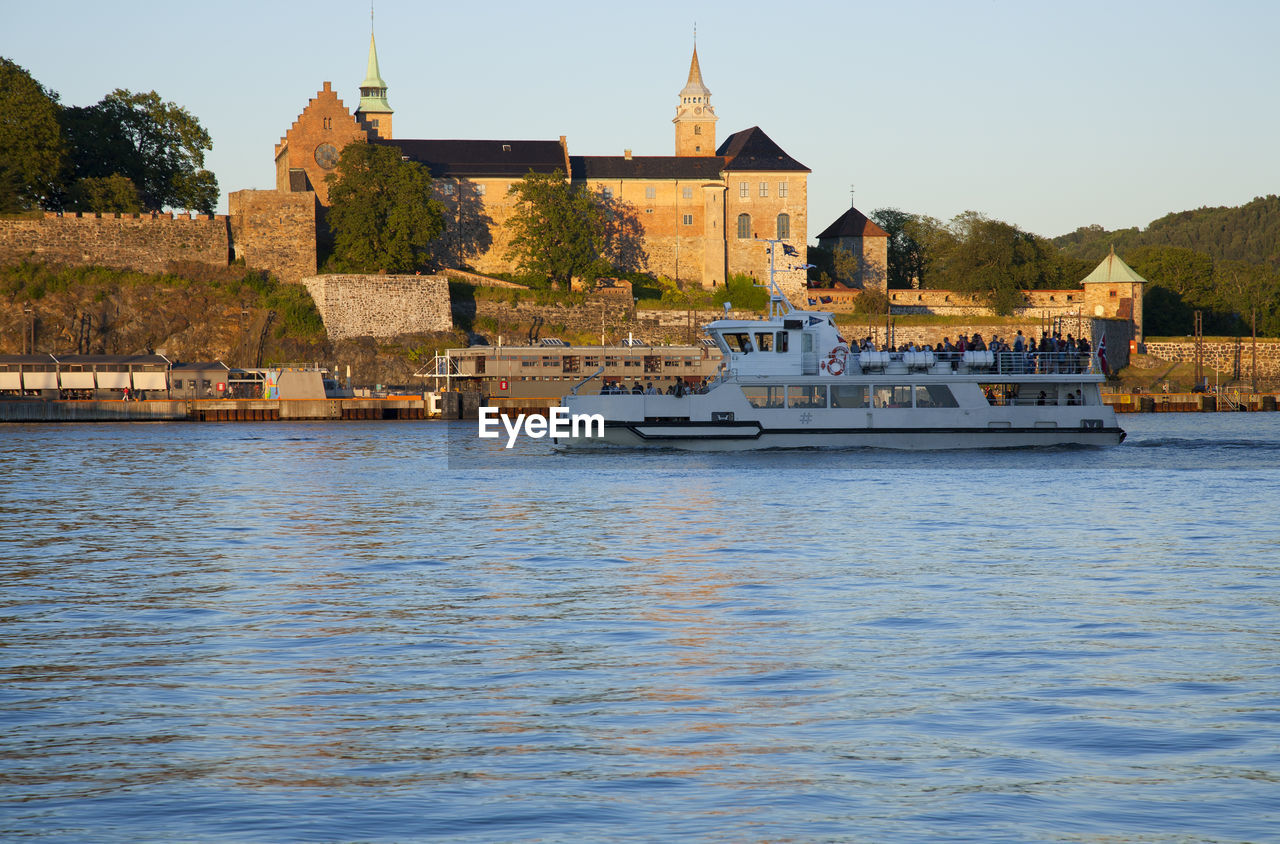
1112,270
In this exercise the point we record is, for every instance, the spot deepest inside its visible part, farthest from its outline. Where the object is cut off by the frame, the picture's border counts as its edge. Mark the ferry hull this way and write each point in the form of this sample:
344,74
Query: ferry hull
750,436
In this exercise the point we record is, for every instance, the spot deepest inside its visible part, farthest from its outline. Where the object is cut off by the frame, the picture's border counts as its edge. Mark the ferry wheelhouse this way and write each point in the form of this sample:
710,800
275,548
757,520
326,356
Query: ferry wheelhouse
791,381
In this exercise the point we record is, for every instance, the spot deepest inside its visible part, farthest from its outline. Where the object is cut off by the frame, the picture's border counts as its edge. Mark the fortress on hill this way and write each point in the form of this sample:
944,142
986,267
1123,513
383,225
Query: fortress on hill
699,213
699,209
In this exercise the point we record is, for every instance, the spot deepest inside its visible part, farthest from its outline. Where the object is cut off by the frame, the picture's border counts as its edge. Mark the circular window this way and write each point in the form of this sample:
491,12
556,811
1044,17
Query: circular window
327,156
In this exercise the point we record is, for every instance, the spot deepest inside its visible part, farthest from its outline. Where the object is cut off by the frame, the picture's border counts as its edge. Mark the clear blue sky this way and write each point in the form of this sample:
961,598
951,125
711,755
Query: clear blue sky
1049,115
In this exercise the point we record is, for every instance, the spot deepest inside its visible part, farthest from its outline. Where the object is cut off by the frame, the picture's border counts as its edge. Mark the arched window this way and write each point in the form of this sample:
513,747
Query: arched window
744,226
784,226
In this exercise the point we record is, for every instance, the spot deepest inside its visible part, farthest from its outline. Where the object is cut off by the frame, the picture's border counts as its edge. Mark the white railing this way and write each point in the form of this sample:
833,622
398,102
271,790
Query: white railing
1000,363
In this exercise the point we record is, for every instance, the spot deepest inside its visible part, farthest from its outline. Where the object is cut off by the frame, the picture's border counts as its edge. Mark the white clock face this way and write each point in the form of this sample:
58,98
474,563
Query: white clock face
327,156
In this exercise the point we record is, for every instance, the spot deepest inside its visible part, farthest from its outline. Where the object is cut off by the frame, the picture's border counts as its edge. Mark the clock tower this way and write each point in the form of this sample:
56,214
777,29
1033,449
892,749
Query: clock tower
695,118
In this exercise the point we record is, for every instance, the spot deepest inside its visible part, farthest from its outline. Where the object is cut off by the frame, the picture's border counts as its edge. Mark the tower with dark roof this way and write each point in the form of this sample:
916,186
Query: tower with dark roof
695,118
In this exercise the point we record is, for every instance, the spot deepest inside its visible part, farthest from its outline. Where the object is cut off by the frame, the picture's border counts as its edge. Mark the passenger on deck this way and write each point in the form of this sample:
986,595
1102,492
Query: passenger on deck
636,389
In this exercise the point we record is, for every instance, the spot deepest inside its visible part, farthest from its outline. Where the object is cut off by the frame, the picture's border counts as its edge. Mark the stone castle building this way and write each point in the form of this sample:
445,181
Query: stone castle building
699,210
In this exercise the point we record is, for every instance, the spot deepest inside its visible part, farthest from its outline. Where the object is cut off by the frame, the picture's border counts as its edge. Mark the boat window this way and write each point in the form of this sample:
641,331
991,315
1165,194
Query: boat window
1000,395
849,395
934,395
891,395
806,344
762,396
782,341
807,395
764,341
738,342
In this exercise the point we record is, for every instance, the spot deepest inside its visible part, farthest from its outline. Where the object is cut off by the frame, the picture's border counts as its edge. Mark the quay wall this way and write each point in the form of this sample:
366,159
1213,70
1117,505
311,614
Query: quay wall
140,242
211,410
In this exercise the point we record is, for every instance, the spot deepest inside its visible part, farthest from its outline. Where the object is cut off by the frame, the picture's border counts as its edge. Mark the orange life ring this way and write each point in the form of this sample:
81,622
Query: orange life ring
836,360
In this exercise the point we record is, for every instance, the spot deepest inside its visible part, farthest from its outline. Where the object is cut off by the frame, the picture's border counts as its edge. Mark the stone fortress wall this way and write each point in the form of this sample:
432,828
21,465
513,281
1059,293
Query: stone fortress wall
381,305
142,242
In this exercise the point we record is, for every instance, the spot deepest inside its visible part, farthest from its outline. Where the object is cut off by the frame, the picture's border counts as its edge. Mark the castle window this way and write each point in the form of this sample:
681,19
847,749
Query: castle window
480,189
784,226
782,190
688,219
744,226
328,123
688,193
607,193
743,190
650,192
697,130
764,188
447,188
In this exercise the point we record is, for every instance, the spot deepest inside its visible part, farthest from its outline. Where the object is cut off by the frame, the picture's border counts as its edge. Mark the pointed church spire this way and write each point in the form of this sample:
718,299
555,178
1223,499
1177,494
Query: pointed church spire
374,112
695,118
695,86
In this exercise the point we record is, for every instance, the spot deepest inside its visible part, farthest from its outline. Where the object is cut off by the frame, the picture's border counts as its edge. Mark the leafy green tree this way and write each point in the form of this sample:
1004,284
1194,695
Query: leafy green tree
906,254
557,229
157,145
111,194
31,145
381,212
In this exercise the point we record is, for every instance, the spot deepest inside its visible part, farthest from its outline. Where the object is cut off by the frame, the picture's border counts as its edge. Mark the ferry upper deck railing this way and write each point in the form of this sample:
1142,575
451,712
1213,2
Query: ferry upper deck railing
996,363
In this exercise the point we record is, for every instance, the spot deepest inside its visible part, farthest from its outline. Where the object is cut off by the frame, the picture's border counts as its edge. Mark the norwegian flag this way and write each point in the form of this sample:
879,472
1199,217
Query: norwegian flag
1102,355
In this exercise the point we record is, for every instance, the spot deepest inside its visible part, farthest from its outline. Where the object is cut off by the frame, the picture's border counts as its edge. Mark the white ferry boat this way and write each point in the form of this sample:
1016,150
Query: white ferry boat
791,381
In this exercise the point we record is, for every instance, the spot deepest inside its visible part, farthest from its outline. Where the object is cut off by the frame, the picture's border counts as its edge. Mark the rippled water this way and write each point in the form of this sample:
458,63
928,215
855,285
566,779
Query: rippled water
278,632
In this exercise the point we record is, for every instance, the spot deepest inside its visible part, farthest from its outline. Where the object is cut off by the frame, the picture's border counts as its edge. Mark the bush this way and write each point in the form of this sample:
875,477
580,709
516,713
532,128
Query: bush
743,292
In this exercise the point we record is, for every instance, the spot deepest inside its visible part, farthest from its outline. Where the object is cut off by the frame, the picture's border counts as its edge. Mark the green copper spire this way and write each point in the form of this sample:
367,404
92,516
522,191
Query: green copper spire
373,91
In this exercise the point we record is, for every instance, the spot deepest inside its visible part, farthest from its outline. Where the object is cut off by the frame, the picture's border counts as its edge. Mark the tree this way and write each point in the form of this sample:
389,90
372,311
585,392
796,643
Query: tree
995,260
112,194
31,146
381,212
557,228
157,145
906,254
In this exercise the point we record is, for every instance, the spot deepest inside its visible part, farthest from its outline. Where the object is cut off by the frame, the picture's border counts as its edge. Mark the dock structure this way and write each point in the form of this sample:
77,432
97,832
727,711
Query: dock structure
1221,401
217,410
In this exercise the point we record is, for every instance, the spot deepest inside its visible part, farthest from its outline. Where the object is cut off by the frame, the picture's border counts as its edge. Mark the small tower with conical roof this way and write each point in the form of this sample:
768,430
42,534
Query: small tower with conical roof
695,118
374,112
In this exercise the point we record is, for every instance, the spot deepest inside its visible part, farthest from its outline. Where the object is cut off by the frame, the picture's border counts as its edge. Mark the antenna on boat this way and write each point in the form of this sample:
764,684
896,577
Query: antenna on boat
779,305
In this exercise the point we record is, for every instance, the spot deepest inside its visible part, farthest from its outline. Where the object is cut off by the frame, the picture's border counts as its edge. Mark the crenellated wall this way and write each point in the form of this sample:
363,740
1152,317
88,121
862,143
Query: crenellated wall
142,242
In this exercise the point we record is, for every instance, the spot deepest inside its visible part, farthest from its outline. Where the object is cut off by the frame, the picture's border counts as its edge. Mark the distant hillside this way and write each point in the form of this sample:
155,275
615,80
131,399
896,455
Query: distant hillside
1248,233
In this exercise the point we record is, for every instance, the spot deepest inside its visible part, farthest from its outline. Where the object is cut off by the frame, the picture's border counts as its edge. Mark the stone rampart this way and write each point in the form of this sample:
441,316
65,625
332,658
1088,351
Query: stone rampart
381,305
1222,356
141,242
275,231
953,303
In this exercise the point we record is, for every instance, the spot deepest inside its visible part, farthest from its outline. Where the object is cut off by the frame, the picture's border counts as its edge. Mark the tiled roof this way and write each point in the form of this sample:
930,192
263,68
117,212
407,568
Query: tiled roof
471,159
852,223
645,167
752,149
